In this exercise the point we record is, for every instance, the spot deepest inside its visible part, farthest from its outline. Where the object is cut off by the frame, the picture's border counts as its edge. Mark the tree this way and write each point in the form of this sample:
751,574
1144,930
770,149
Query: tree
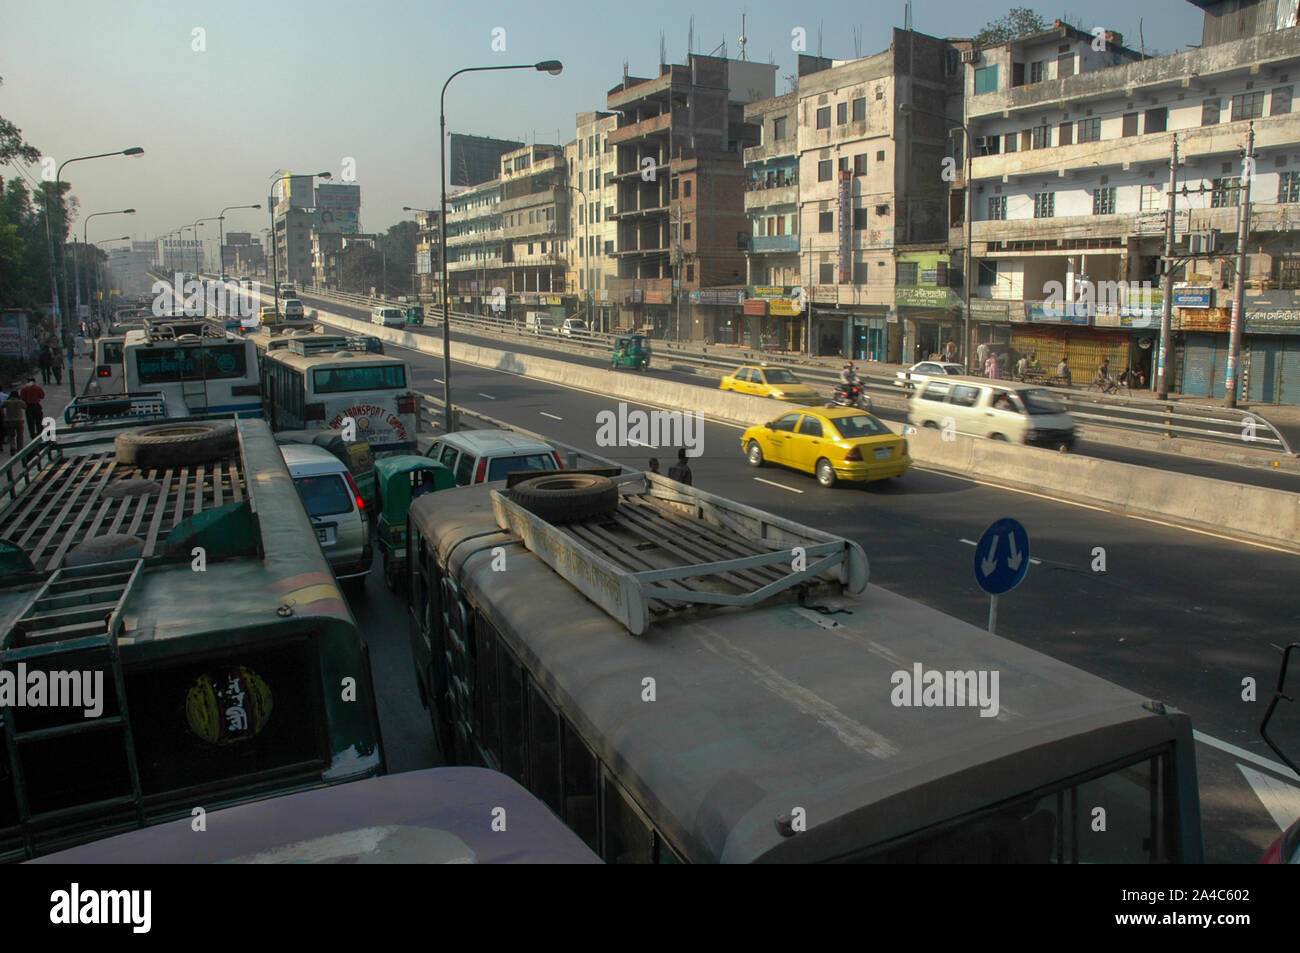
1019,21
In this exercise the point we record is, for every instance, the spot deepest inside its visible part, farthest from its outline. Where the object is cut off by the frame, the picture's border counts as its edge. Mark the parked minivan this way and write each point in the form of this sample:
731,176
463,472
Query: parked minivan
335,507
1001,410
539,322
482,456
388,317
293,310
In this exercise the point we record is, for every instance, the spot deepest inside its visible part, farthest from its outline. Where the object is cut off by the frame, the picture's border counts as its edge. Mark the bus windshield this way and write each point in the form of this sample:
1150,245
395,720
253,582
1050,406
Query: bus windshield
338,380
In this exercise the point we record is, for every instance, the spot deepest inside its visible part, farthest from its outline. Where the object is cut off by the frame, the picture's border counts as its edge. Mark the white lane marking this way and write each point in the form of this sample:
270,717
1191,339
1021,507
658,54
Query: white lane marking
1036,562
552,416
1190,529
488,396
437,380
779,485
1243,755
1281,800
638,443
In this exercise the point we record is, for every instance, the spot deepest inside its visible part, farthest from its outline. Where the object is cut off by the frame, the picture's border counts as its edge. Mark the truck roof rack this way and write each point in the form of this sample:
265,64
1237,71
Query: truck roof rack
326,343
668,547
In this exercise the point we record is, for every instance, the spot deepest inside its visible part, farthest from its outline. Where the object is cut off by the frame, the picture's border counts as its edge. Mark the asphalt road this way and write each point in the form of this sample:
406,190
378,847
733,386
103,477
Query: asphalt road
1176,615
664,368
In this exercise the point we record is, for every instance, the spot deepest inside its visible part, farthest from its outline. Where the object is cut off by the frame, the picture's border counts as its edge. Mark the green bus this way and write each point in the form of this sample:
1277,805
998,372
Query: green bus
164,587
682,678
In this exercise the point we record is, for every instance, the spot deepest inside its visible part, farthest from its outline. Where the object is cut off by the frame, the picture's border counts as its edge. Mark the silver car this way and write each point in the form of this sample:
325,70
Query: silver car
919,373
483,456
335,507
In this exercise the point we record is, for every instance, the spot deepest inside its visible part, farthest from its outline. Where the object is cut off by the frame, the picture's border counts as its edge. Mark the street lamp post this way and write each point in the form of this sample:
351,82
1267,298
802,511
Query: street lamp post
554,67
62,326
905,109
275,245
221,236
124,238
198,247
84,241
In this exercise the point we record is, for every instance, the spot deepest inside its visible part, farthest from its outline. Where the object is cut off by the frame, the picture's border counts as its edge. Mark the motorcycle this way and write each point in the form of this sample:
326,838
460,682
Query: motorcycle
850,395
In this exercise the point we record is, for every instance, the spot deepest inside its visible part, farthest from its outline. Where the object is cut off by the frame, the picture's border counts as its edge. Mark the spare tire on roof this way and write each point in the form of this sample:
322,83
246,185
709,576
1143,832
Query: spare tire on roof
567,497
178,444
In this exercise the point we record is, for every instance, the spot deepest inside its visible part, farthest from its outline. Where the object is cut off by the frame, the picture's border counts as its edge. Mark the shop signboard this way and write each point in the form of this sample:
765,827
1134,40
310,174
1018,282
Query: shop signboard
1206,319
1193,297
784,307
925,298
1285,321
1038,312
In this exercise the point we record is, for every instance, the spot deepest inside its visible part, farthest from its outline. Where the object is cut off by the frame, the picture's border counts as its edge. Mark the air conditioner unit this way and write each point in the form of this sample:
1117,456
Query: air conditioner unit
970,56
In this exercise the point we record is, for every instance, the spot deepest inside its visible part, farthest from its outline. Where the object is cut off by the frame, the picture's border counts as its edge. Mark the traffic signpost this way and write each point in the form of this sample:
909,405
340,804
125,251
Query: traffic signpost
1001,561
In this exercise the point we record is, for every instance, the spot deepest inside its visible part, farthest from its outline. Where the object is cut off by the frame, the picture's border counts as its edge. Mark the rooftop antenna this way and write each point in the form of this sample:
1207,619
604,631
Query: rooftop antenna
690,37
857,42
819,39
663,52
743,39
907,16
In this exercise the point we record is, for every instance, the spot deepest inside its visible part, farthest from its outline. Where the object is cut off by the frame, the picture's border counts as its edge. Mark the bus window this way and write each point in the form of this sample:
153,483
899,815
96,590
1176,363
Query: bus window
487,697
1128,796
543,749
335,380
581,788
512,717
628,838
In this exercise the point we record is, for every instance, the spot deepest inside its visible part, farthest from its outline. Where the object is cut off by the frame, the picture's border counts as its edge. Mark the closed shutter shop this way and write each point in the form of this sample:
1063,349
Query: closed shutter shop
1085,350
1264,355
1204,365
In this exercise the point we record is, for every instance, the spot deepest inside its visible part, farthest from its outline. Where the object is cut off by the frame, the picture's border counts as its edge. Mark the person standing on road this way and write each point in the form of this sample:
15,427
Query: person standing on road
1022,367
681,470
1063,370
991,367
44,363
32,395
56,364
12,413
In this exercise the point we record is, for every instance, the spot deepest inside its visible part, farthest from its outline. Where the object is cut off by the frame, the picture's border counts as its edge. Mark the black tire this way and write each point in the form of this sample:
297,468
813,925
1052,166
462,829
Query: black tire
754,454
931,424
176,445
567,497
997,436
825,471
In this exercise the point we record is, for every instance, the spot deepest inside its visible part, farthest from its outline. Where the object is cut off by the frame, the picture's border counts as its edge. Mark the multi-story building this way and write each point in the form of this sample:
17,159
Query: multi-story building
1073,140
147,248
294,220
593,230
474,248
532,213
679,180
773,318
428,254
176,254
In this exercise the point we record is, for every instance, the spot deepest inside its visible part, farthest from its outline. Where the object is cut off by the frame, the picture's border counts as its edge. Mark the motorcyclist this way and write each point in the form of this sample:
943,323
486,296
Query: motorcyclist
848,376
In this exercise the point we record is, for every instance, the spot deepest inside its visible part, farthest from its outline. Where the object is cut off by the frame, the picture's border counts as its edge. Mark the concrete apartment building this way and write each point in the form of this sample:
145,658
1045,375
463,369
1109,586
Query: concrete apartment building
176,254
678,178
1073,140
428,254
849,208
533,213
593,229
474,249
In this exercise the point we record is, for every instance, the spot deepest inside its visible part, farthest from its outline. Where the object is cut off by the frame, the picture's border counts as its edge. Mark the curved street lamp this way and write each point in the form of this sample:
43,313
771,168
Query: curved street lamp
124,238
280,175
554,68
76,258
221,236
61,325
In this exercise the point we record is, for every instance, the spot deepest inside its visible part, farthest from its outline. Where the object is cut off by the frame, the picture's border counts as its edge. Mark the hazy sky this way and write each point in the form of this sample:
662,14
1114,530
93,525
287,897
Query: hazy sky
300,86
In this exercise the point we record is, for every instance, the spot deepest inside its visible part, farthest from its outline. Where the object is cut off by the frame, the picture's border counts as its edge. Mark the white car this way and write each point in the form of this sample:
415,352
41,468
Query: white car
293,310
388,317
574,327
922,371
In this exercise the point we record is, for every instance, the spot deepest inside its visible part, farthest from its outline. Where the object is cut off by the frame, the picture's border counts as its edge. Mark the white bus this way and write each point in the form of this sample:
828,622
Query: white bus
316,384
212,373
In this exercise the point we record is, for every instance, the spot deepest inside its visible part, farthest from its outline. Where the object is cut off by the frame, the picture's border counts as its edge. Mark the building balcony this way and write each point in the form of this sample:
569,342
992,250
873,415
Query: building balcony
549,259
632,252
780,149
774,243
636,130
1089,159
474,238
641,212
767,198
479,265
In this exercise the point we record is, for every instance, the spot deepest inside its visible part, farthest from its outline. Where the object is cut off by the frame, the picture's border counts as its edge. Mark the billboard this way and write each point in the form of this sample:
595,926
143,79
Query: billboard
338,209
472,160
846,229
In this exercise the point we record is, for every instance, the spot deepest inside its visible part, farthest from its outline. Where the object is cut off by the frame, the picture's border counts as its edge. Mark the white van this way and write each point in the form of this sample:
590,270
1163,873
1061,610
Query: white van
997,409
539,322
335,507
389,317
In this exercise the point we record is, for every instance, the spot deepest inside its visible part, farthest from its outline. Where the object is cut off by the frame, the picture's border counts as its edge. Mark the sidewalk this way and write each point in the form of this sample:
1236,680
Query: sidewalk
57,397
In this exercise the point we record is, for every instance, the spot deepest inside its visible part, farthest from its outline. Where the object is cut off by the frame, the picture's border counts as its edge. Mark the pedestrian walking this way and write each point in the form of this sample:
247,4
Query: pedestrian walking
950,352
32,395
654,464
991,367
1022,366
982,355
56,365
12,413
1063,370
83,349
43,362
681,470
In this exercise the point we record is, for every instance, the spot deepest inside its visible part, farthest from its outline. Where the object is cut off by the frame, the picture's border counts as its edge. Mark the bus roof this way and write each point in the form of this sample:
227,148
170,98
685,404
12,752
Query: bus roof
797,705
438,815
305,362
244,510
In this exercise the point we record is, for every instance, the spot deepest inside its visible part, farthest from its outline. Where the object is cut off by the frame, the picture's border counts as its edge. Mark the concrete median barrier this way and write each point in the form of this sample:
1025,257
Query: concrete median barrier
1247,512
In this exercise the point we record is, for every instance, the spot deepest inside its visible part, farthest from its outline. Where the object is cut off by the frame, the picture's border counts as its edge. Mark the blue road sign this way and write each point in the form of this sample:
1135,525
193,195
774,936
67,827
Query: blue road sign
1002,557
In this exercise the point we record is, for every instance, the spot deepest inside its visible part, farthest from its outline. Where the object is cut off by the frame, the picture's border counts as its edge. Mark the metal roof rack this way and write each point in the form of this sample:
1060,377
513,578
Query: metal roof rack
668,547
328,343
162,330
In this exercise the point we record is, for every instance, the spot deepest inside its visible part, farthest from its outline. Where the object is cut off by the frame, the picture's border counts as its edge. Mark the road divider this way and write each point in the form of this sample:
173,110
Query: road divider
1251,513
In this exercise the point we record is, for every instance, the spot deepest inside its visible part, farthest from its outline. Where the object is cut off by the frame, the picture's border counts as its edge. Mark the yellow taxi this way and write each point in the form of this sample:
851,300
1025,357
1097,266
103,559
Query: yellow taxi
832,443
769,382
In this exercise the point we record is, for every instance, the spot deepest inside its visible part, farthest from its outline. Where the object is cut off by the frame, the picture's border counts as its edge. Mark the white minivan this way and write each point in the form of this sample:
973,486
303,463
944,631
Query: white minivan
1000,410
388,317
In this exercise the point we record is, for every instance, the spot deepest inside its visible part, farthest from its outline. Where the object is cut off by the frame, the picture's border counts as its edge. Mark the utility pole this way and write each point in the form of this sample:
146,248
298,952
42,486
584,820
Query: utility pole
1239,289
1167,285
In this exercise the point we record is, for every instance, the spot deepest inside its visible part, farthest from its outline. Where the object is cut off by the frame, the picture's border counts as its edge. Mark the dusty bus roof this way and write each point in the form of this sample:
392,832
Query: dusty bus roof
244,589
796,704
305,362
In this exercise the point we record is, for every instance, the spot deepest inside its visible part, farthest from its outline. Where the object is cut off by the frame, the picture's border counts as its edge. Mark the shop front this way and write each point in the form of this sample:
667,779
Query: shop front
717,315
869,335
774,319
1271,349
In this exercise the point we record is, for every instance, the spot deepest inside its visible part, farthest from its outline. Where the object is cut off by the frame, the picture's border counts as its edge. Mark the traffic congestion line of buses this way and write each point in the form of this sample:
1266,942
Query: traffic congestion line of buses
643,671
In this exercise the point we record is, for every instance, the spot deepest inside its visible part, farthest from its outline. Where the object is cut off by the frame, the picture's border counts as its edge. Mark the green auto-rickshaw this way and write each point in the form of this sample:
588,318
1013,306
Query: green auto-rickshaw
400,479
415,315
630,350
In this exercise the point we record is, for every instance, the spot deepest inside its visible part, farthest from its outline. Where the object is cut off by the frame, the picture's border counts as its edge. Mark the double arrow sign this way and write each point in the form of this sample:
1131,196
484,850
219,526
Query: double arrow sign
989,563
